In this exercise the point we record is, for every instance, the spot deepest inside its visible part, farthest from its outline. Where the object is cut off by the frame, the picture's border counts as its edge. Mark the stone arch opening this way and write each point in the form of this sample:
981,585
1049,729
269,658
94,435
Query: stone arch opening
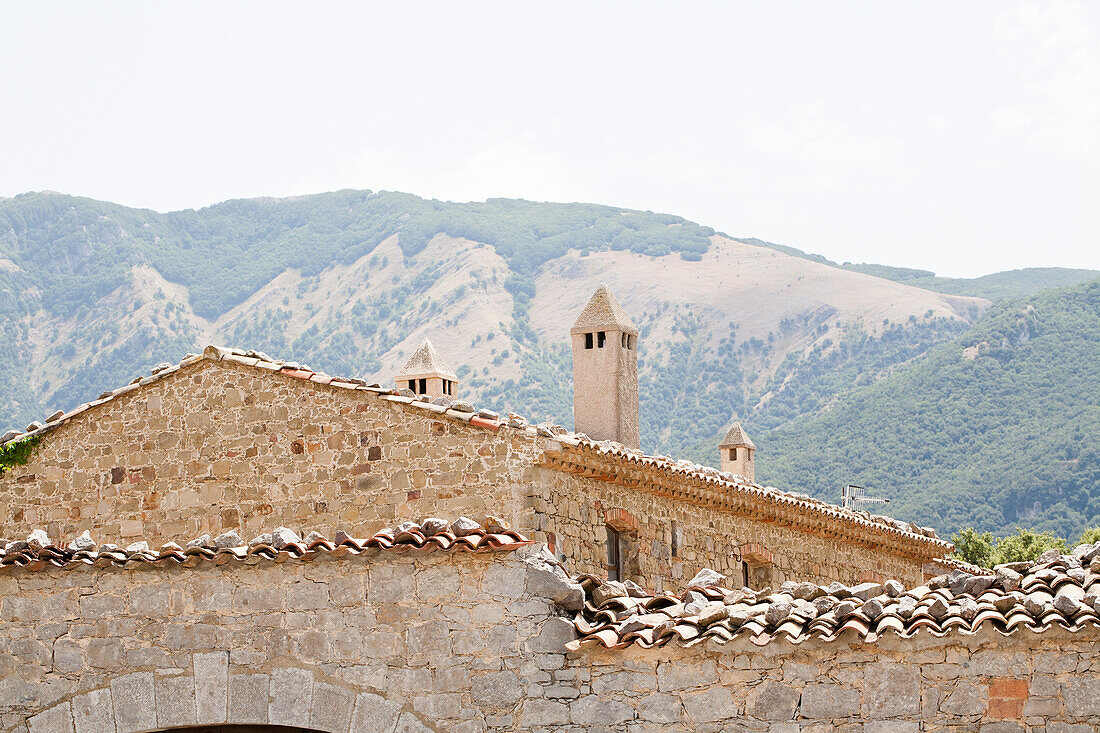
217,698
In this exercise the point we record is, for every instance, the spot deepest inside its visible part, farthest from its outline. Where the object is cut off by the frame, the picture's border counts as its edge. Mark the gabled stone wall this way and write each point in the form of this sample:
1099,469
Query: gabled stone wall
220,446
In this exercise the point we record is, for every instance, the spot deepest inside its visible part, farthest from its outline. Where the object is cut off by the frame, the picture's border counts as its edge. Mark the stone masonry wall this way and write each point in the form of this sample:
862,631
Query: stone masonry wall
470,643
1045,683
575,510
221,446
437,641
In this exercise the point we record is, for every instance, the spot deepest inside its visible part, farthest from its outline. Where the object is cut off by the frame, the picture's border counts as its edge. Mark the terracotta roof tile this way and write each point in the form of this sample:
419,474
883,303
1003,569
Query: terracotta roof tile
410,536
1058,591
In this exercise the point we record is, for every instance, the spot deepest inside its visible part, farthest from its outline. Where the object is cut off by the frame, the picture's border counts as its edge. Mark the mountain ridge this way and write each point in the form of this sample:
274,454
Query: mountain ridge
351,281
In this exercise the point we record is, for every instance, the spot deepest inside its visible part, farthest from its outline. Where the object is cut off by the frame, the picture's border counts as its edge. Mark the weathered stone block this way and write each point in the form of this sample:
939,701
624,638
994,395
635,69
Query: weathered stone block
891,726
373,712
556,632
673,675
248,698
1082,696
891,690
827,701
772,701
497,689
711,705
967,698
543,713
58,719
93,712
332,707
134,703
590,711
175,698
291,697
211,686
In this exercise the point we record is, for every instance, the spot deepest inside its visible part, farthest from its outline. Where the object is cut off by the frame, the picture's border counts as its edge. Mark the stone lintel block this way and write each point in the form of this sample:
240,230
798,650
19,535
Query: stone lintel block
175,697
57,719
248,698
134,702
331,710
211,686
891,726
93,712
291,697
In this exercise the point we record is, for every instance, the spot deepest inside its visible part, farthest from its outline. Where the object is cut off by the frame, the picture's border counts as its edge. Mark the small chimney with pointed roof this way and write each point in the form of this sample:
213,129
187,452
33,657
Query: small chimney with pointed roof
605,371
426,373
737,452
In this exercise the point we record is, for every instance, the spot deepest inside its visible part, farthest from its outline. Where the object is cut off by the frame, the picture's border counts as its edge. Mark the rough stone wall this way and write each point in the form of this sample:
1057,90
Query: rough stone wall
435,641
220,446
988,683
575,510
469,643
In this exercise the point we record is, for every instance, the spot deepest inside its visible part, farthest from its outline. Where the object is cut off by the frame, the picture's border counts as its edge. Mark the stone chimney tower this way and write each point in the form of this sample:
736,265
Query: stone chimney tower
426,373
737,453
605,371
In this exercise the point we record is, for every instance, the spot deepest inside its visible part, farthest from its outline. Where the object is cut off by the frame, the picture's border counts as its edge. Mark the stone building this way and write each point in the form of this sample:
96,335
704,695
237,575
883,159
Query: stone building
750,608
235,440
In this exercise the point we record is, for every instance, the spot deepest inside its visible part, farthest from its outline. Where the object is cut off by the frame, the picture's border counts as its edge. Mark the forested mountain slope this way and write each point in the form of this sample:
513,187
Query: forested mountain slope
998,428
93,294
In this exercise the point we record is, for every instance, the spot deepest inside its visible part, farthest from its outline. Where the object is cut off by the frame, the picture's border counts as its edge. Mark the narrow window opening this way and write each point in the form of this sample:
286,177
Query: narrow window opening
601,337
412,385
614,554
733,454
675,538
744,575
626,338
423,387
588,341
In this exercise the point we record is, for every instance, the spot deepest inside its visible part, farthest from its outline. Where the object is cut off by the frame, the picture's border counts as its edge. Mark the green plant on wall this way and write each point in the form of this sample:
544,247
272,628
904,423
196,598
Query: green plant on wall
17,452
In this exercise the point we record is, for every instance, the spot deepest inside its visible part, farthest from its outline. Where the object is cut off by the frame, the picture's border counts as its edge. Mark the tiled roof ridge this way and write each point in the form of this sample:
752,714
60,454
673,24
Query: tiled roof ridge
1055,590
490,420
37,552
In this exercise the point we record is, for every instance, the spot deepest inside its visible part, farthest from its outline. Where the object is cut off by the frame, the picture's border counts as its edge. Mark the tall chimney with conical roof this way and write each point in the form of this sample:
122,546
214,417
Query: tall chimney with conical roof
426,373
737,453
605,371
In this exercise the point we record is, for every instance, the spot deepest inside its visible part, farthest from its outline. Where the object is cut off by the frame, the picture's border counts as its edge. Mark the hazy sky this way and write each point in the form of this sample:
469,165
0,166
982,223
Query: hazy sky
959,137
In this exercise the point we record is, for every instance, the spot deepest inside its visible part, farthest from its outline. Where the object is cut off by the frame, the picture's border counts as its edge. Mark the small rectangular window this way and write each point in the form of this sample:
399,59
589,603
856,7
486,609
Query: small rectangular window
626,338
675,538
733,454
412,384
588,341
614,554
601,337
423,386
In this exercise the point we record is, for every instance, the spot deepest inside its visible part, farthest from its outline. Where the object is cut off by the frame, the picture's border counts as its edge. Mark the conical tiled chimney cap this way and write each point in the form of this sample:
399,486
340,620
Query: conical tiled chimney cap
426,362
736,437
603,313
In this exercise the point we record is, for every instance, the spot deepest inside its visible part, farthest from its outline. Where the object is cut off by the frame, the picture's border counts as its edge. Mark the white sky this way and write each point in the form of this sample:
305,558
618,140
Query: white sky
958,137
